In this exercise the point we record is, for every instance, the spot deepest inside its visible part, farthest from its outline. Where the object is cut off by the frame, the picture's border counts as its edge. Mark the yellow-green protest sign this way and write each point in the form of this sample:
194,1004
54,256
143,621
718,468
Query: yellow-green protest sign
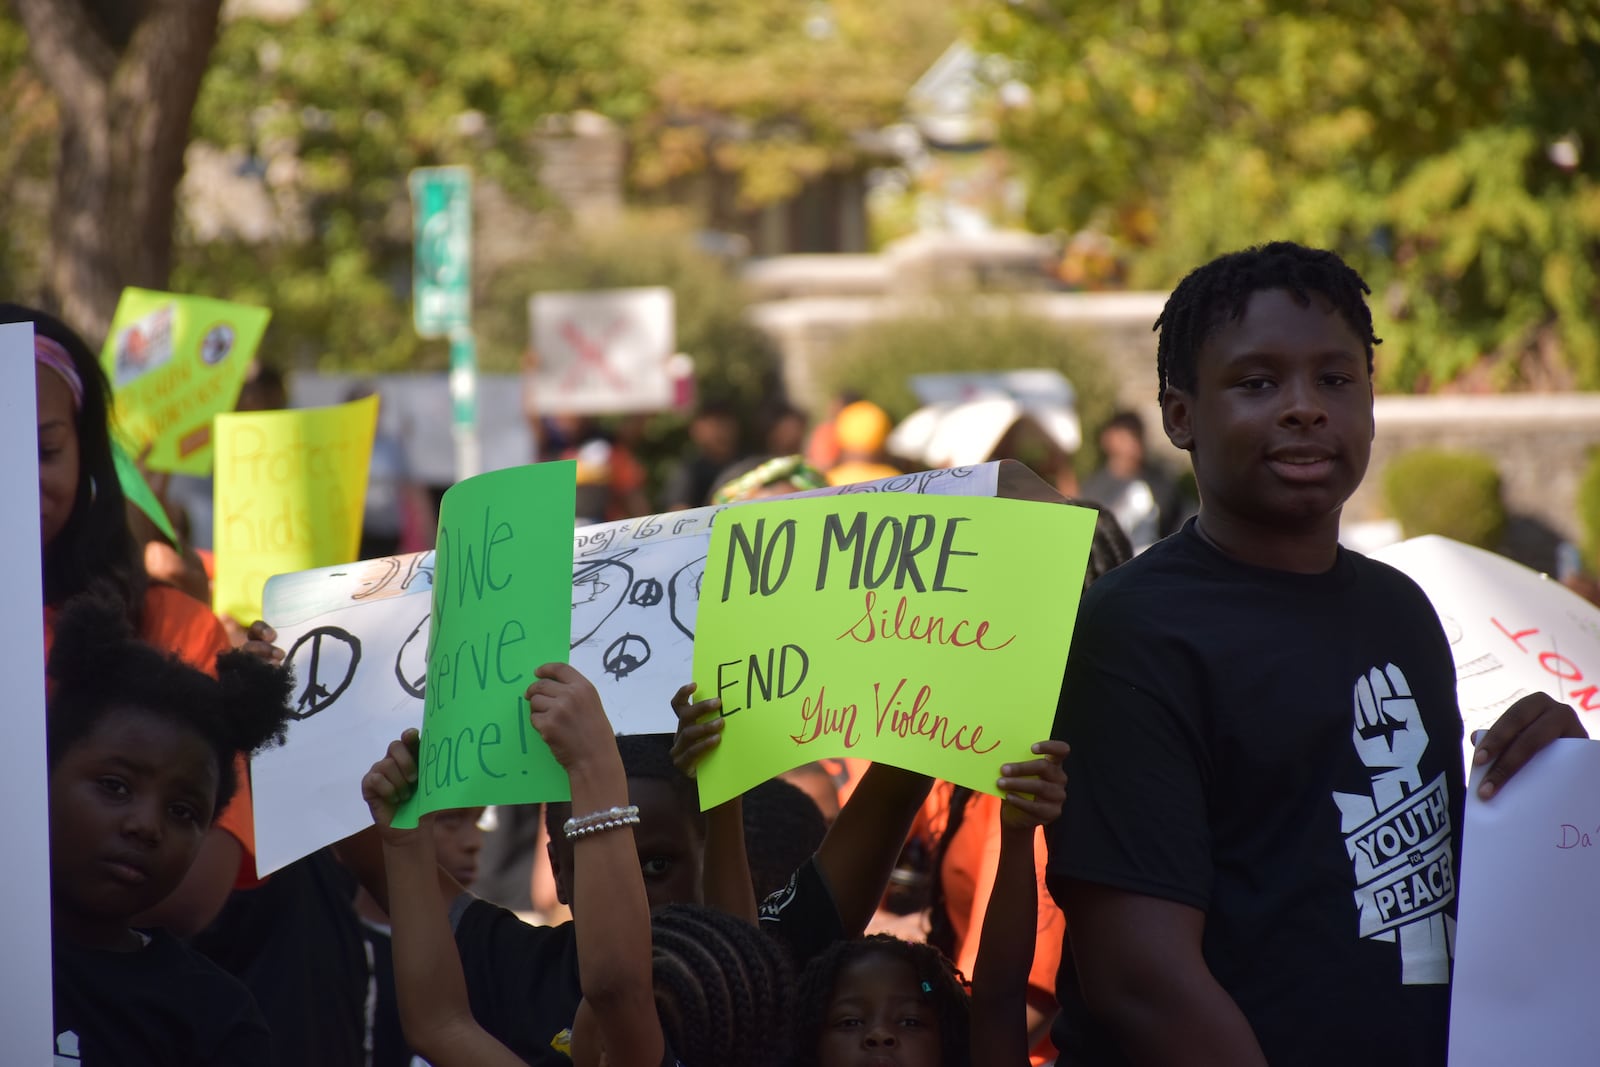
502,606
926,632
174,363
290,490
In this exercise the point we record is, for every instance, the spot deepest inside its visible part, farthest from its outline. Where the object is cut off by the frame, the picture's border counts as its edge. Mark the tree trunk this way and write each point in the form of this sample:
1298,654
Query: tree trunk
126,74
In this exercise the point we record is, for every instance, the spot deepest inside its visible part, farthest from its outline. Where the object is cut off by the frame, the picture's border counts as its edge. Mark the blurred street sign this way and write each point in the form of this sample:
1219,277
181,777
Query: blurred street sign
441,201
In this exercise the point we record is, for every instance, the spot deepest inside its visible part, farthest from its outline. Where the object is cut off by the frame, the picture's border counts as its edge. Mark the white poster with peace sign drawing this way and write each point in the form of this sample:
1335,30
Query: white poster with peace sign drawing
356,636
603,351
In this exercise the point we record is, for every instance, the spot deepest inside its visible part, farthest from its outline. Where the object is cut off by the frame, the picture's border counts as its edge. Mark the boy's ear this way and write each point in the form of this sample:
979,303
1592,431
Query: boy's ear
1176,411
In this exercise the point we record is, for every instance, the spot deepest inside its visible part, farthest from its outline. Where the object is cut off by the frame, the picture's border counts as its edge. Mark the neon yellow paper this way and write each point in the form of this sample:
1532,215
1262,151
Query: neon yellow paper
502,606
925,632
290,490
174,363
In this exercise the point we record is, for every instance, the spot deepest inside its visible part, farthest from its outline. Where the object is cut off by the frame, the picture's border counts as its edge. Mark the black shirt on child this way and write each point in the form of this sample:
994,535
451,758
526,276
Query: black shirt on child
296,943
161,1006
522,980
1282,752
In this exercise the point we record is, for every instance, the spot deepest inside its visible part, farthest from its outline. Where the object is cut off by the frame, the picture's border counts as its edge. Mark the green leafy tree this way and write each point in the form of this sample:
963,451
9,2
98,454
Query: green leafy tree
774,94
1448,148
336,105
331,107
124,74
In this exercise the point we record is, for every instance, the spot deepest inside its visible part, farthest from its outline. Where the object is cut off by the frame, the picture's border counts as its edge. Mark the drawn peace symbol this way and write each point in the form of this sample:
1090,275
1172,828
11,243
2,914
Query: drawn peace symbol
411,664
646,593
334,655
625,655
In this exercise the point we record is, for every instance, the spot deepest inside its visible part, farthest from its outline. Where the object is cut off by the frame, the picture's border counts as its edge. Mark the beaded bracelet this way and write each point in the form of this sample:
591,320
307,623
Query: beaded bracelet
600,821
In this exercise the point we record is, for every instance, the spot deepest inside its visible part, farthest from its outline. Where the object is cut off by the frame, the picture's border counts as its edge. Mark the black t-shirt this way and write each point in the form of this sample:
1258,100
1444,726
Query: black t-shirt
387,1036
162,1006
522,980
1282,752
802,915
296,942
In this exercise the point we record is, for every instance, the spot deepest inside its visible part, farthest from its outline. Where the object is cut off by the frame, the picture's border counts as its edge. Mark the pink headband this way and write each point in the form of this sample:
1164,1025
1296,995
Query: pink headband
52,355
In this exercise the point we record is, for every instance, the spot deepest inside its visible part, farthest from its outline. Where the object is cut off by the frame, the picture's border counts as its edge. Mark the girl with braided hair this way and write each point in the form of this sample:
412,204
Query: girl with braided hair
141,753
845,989
692,988
879,1000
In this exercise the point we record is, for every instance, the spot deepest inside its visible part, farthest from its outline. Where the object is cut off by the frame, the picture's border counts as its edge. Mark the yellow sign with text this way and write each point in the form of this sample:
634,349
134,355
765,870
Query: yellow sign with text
290,490
926,632
174,363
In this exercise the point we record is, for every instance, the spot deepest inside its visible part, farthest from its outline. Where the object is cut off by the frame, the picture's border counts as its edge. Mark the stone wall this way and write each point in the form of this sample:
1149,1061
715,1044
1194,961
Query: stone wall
1539,441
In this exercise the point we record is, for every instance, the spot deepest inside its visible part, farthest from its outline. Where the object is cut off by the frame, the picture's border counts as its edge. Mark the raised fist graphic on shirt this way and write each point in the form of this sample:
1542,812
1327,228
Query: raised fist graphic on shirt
1388,731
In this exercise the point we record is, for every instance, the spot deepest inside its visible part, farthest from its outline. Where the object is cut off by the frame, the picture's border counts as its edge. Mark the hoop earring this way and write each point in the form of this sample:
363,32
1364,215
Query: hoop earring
94,490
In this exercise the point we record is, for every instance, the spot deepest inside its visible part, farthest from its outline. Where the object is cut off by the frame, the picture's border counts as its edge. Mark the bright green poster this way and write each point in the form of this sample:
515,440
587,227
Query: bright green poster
174,362
502,605
138,491
923,631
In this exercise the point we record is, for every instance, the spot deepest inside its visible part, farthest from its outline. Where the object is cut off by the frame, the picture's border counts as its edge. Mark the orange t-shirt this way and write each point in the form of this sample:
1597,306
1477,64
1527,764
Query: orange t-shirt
175,622
968,873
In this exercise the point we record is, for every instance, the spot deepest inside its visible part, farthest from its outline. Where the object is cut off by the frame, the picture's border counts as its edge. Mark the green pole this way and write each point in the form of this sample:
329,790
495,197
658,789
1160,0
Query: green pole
464,402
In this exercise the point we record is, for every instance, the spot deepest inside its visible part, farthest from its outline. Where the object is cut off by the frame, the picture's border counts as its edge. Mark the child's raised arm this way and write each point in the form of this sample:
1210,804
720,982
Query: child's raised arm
611,913
1034,792
726,876
435,1013
859,852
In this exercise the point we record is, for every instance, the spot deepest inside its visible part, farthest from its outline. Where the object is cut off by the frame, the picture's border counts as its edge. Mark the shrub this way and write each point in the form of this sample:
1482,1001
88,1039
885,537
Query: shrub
958,334
1453,494
1588,504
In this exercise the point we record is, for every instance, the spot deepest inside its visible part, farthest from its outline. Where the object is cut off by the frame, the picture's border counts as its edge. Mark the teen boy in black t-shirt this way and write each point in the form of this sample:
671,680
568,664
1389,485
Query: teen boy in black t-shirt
1259,849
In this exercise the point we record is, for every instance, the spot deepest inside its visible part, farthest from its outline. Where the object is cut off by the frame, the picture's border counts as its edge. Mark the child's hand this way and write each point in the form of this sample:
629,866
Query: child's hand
1034,791
1518,734
567,712
259,642
694,739
392,779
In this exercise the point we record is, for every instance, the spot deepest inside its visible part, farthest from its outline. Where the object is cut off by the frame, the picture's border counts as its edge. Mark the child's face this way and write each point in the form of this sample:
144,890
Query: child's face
457,841
670,846
1279,424
879,1017
129,806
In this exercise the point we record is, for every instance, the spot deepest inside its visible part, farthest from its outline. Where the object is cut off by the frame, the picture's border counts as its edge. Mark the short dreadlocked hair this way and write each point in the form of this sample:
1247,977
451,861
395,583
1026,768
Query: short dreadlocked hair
942,985
98,667
1221,289
722,988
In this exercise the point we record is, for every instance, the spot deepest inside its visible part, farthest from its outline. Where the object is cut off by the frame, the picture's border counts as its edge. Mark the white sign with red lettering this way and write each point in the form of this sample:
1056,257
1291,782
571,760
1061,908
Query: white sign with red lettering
1512,631
603,351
